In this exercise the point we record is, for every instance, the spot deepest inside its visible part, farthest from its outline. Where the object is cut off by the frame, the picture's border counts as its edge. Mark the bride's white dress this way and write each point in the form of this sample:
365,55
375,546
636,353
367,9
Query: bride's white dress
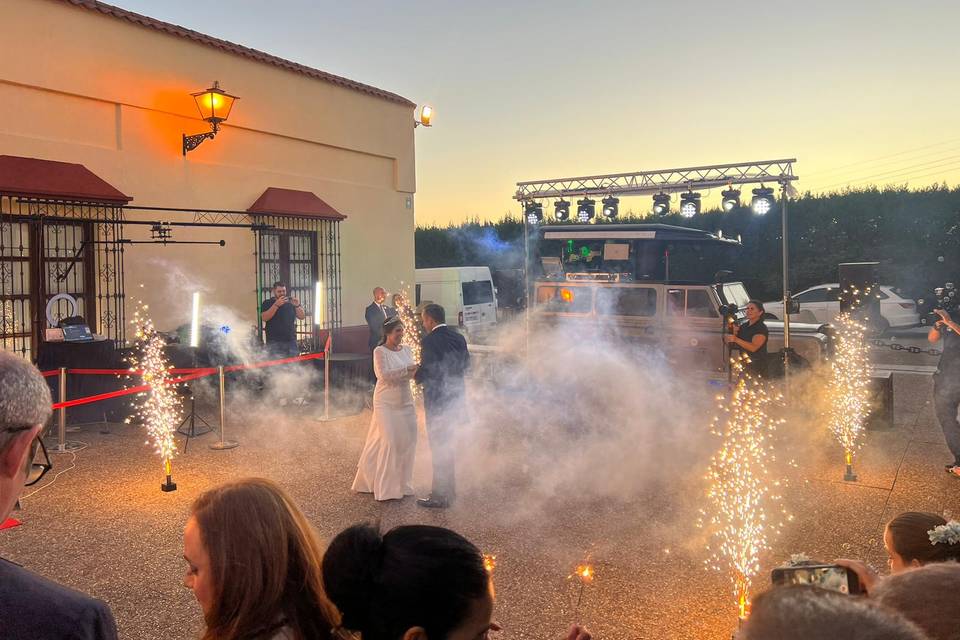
386,463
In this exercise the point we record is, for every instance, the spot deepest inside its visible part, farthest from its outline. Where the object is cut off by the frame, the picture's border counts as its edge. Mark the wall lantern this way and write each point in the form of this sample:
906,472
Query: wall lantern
214,105
426,114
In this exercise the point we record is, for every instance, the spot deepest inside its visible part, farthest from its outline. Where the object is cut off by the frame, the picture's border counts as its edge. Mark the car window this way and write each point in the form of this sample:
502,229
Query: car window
627,301
815,295
676,300
699,304
559,299
479,292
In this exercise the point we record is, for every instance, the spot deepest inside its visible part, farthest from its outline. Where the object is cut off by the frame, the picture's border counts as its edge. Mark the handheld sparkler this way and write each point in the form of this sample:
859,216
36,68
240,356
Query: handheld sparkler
584,574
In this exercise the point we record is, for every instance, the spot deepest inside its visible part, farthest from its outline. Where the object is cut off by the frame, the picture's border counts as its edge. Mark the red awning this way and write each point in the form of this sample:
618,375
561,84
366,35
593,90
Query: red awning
51,180
289,202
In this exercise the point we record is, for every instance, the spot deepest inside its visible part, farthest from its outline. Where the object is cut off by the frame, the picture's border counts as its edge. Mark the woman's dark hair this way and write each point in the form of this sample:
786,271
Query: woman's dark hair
911,540
389,325
435,312
412,576
758,304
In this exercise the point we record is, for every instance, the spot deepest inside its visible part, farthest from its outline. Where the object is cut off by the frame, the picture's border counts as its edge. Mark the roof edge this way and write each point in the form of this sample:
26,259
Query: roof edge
237,49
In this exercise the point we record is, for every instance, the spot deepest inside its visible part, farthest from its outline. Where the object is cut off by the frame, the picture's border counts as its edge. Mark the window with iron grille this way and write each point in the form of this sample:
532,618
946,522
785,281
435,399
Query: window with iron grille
300,252
51,248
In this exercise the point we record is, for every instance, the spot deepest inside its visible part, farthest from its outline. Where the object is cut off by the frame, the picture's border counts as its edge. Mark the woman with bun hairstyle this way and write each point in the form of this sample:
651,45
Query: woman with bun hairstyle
912,539
412,583
253,563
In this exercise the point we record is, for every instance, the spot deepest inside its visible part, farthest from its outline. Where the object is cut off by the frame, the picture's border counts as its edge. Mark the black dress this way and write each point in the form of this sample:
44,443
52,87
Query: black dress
758,359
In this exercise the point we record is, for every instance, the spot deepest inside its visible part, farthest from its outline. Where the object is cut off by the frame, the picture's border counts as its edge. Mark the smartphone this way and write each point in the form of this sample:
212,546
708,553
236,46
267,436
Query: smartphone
825,576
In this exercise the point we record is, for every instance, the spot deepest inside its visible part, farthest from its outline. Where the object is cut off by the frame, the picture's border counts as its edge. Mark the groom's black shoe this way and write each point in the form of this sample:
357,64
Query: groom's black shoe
434,502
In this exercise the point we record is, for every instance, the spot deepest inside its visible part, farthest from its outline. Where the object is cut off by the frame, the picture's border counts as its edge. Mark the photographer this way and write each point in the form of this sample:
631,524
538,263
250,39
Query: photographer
946,384
280,315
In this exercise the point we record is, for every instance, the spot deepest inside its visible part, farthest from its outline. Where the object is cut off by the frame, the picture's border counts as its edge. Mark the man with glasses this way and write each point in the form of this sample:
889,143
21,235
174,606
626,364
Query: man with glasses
32,606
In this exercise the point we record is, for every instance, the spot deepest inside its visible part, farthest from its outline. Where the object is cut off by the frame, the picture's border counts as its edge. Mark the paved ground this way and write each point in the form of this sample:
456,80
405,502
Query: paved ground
540,496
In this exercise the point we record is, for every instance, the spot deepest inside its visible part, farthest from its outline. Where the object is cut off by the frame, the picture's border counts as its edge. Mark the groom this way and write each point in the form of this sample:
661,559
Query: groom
443,361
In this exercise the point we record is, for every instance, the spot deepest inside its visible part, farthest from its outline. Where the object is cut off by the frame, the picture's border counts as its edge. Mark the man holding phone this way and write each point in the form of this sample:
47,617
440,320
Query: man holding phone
946,384
280,315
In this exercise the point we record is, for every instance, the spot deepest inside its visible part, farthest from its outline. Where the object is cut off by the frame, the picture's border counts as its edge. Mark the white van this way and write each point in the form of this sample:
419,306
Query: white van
466,294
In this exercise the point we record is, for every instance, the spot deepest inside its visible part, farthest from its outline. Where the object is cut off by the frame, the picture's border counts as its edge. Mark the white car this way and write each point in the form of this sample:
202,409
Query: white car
822,302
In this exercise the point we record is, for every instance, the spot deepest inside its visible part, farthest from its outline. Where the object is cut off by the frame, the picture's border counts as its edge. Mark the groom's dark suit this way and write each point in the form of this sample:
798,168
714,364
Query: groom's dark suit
444,360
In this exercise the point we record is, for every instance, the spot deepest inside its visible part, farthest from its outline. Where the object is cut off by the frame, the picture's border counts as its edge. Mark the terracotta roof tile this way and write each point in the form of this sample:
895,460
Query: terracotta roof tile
291,202
237,49
48,179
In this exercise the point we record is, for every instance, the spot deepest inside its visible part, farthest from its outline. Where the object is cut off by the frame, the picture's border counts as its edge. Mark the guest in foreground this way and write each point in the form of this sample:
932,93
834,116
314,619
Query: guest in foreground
413,583
253,563
927,596
444,360
912,539
386,462
31,606
800,612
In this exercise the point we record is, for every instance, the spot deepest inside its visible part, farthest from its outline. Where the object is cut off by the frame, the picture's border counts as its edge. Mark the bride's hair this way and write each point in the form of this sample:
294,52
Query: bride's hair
388,326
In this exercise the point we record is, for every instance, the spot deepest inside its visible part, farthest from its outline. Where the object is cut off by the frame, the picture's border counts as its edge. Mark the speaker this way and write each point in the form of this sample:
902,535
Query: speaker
859,276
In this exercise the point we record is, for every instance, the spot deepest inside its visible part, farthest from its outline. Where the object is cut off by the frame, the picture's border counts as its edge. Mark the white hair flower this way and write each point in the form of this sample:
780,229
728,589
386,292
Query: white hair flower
946,533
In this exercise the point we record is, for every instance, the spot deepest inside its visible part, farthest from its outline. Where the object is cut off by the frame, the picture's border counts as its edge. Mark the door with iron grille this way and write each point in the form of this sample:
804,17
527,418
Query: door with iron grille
290,257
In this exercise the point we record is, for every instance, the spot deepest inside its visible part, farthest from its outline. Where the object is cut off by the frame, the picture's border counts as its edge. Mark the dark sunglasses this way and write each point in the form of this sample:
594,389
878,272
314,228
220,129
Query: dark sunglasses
37,469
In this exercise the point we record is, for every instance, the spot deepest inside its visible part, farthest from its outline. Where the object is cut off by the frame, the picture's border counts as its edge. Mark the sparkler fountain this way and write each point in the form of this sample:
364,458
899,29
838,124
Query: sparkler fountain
159,407
848,387
742,487
411,334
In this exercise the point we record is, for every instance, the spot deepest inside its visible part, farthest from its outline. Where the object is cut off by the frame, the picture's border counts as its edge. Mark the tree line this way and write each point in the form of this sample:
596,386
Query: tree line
913,233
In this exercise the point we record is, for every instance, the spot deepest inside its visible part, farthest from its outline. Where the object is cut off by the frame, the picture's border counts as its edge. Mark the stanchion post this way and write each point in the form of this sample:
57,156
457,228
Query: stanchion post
223,444
326,382
62,427
62,445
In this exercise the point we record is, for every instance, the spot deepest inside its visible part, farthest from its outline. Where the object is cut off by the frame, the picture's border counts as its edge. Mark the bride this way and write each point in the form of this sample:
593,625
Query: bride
386,463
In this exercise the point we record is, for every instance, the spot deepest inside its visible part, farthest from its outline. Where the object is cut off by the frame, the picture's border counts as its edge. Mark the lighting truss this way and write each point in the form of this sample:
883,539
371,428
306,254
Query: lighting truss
663,180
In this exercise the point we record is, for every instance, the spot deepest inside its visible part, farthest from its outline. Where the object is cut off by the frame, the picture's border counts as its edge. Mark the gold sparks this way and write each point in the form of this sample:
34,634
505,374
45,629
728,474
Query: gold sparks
741,486
411,331
158,408
489,562
848,388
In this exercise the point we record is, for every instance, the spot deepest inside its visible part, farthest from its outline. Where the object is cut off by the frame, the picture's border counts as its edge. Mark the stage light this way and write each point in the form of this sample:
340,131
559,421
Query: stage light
195,321
661,204
689,204
610,207
214,105
763,201
731,199
533,211
318,304
561,210
585,210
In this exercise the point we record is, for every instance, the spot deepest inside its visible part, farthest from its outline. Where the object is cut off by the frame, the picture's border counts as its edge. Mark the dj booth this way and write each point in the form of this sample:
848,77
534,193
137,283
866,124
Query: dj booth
99,353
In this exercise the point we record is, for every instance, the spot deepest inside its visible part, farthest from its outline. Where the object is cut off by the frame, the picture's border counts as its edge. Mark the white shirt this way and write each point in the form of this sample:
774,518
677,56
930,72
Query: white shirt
437,327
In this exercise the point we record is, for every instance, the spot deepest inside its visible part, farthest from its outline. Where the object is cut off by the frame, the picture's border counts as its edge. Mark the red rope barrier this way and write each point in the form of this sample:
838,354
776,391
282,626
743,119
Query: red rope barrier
122,392
191,374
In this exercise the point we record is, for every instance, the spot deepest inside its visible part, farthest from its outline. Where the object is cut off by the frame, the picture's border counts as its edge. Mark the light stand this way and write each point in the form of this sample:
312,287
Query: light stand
193,417
787,350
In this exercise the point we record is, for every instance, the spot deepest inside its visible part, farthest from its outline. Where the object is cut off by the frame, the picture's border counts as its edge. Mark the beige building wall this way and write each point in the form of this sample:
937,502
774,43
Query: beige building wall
79,86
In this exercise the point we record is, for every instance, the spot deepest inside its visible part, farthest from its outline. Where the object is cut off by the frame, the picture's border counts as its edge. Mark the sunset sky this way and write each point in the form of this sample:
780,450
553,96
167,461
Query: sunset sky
859,92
